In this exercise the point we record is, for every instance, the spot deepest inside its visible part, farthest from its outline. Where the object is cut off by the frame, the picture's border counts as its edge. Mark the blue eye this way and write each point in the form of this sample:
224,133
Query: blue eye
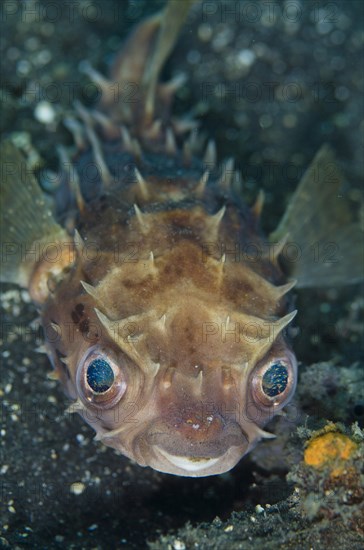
100,376
275,380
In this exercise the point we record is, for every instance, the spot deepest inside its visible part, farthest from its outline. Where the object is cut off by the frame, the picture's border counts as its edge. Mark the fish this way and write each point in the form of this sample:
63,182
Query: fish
166,311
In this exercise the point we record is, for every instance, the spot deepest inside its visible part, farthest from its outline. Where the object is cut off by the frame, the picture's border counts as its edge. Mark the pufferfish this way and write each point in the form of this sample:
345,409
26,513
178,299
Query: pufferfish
165,309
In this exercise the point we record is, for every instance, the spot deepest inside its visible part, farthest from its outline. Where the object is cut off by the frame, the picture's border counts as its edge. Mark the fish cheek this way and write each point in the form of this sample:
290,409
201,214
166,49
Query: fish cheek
54,264
84,323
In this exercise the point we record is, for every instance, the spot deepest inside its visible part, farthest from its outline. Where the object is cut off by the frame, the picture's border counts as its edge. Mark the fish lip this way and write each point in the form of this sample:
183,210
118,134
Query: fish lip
159,436
198,450
195,466
188,464
166,451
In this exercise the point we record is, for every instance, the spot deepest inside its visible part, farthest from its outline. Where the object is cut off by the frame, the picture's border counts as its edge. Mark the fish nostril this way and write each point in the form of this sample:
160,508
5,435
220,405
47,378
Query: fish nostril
202,427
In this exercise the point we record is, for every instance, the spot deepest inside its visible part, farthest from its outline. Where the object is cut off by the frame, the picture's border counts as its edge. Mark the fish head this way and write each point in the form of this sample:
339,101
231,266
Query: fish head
186,391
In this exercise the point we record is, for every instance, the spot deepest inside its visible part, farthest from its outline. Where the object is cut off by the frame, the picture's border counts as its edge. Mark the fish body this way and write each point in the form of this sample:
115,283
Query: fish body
165,309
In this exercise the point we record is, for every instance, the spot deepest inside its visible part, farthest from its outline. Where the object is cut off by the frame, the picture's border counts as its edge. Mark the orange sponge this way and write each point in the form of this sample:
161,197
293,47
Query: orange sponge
329,449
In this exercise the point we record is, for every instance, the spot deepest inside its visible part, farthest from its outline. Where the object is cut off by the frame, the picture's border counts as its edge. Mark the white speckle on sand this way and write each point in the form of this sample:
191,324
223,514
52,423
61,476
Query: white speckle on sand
11,507
246,58
44,112
77,488
81,440
253,519
179,545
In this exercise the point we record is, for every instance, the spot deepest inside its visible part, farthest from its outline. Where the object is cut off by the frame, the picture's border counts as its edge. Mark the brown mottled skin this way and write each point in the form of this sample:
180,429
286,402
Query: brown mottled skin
199,403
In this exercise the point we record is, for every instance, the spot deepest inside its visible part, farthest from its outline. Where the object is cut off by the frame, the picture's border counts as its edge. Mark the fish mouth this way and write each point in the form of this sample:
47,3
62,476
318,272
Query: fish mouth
189,463
173,453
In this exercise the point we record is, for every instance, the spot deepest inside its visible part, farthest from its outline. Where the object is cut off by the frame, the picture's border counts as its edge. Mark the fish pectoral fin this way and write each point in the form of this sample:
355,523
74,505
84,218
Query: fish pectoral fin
325,244
28,228
142,58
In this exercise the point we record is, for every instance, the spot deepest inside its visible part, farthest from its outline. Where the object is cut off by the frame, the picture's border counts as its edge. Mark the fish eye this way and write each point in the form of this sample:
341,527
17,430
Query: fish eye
274,381
100,376
100,380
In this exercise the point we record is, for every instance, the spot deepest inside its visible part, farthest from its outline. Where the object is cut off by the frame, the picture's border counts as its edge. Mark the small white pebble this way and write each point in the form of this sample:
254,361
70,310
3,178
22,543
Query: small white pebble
253,519
229,528
44,112
77,488
246,58
43,57
259,509
25,296
179,545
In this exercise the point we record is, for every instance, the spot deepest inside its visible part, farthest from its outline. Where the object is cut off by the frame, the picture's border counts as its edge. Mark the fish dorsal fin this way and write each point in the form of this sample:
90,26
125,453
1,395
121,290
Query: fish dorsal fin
173,17
139,65
325,244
